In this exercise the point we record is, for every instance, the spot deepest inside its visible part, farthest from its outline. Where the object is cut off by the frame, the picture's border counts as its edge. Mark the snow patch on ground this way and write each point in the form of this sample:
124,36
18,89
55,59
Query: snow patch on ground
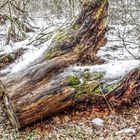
126,130
97,122
115,50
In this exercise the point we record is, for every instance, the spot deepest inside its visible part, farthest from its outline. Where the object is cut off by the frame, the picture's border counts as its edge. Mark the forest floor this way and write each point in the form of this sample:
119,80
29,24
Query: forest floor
122,123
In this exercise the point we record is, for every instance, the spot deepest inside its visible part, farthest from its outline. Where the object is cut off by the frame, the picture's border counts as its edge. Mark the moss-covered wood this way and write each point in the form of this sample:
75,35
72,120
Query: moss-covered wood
35,93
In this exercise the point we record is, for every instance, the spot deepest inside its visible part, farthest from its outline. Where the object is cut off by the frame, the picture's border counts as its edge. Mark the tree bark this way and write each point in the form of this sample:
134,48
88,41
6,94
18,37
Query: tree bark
40,92
128,88
35,93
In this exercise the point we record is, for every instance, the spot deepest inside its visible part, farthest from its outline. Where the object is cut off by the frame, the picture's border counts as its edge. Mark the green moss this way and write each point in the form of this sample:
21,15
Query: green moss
93,76
110,88
97,75
52,53
75,26
85,89
48,55
63,37
73,80
60,38
87,75
97,91
88,88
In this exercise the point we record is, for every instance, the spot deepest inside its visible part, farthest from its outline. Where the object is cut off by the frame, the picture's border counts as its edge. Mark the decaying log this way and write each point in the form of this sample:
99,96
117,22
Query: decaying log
34,94
128,88
39,92
58,95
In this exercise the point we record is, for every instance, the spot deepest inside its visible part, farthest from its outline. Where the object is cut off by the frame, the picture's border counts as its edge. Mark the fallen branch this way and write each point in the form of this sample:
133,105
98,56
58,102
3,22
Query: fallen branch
7,59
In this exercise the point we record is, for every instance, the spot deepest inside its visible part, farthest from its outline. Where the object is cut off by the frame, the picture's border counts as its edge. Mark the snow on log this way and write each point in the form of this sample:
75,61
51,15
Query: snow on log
42,90
33,94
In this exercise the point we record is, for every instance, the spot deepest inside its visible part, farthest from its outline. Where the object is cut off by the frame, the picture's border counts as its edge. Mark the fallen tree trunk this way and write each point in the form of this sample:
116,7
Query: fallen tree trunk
31,95
57,95
38,92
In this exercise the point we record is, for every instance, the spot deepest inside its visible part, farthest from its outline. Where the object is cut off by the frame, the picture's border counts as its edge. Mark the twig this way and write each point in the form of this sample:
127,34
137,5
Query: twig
108,104
17,8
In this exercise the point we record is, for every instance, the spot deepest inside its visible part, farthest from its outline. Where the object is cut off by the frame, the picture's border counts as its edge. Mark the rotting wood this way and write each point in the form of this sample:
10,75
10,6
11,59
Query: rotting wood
126,89
31,95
